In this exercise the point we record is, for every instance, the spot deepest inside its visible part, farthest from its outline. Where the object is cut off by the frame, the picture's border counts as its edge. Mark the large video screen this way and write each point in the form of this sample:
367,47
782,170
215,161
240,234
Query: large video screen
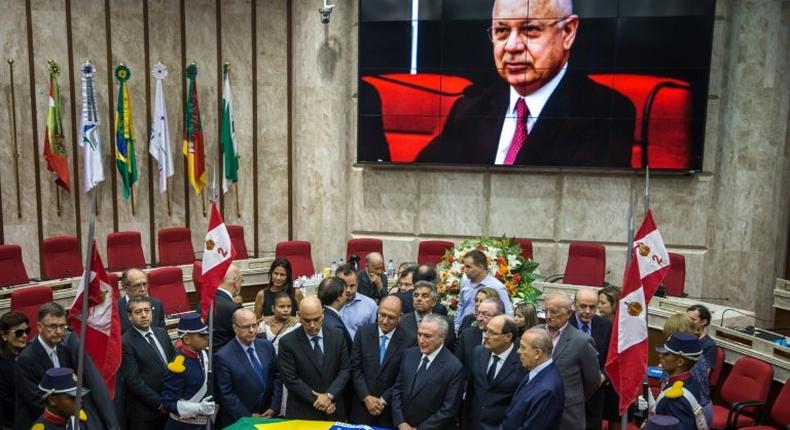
613,84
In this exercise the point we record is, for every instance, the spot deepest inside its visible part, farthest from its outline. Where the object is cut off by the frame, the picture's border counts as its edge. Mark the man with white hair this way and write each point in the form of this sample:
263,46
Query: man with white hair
224,306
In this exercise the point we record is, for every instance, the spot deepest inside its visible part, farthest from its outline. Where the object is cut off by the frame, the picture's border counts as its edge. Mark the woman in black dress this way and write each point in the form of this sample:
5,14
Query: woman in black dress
280,279
14,330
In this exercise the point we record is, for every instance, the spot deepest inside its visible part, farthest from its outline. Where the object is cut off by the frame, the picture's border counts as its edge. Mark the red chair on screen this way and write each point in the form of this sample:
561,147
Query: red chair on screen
299,254
27,300
175,246
125,251
432,251
236,233
780,411
586,264
167,285
414,108
60,257
12,268
526,247
675,280
362,247
663,117
748,381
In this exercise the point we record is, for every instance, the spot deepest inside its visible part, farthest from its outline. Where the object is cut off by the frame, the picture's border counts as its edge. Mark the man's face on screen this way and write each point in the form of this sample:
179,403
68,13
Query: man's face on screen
531,40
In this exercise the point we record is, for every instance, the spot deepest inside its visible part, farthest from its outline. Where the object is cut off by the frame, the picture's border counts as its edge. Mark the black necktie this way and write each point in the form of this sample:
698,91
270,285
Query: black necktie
319,353
420,373
150,338
492,369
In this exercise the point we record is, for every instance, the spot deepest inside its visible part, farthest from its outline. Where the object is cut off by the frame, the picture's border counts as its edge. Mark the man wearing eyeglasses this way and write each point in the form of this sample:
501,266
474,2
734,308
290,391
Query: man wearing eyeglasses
472,336
248,382
135,284
544,112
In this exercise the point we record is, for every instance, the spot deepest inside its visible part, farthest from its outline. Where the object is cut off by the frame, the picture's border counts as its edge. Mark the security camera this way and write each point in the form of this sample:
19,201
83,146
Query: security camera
326,12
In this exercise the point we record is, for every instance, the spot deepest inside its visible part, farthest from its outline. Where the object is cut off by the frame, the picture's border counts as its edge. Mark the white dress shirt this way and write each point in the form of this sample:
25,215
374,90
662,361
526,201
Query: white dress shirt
52,353
502,357
430,356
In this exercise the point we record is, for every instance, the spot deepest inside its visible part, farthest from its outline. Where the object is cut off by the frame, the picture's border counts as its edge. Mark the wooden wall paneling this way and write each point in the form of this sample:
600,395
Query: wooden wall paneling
76,82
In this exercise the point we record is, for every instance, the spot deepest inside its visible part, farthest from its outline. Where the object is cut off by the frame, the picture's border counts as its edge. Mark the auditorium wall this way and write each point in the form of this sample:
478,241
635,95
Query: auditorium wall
730,220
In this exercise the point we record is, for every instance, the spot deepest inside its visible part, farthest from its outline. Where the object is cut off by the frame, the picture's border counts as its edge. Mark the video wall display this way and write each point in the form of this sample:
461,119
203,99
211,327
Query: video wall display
552,83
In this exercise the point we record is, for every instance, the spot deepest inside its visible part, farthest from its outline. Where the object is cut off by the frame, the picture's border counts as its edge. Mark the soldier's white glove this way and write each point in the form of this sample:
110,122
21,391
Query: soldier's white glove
650,403
187,409
207,407
641,403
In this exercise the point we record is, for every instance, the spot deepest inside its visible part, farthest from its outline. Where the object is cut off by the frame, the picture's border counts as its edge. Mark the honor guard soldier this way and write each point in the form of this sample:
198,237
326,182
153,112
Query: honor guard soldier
185,385
59,386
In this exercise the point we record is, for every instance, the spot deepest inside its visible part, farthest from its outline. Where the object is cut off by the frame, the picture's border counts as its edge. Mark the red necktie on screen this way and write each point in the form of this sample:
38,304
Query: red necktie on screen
520,136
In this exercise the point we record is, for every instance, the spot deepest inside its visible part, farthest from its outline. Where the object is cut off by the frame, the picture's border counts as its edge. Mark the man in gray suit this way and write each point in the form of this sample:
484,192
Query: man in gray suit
576,358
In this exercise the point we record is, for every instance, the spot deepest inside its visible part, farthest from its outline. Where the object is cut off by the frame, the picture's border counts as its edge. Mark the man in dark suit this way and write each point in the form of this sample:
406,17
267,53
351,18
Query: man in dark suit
224,306
427,393
600,330
537,402
314,366
575,357
372,281
425,298
146,351
472,336
135,283
426,272
331,292
245,370
543,113
375,361
54,347
495,374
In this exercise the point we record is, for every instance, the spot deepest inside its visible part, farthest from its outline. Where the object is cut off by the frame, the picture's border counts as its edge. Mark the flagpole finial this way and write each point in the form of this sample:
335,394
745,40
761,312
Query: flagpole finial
50,61
10,61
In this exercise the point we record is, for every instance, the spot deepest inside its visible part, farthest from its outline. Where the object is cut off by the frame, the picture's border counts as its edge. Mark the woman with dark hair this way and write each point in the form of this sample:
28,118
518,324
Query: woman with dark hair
280,279
14,329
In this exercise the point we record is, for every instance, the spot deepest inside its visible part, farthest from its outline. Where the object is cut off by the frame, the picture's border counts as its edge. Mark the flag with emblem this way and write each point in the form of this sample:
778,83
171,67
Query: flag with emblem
103,333
626,364
227,136
54,146
193,146
89,138
160,130
125,158
218,254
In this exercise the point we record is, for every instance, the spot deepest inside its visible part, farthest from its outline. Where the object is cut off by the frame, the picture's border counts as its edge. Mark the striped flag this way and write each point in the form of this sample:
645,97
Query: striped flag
218,254
193,146
159,144
125,158
228,136
54,148
90,137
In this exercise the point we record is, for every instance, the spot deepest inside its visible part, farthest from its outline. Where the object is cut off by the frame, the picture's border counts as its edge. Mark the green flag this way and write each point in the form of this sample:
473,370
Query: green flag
125,158
230,151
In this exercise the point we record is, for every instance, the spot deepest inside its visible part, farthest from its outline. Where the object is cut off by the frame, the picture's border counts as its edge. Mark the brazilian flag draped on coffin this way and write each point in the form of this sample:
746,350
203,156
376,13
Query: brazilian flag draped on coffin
284,424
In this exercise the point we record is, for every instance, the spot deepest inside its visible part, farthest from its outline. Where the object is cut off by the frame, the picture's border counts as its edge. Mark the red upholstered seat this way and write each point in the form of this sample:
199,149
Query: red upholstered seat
175,246
586,264
432,251
167,285
362,247
299,254
125,251
27,300
749,380
526,247
236,233
12,268
715,376
675,280
780,411
60,257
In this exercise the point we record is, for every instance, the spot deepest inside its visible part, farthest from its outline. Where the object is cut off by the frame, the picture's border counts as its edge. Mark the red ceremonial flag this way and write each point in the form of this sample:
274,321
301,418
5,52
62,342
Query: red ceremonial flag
54,147
103,334
218,254
626,364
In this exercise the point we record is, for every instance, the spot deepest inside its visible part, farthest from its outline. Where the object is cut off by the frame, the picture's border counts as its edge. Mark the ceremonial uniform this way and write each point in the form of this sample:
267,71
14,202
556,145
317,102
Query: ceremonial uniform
58,381
49,421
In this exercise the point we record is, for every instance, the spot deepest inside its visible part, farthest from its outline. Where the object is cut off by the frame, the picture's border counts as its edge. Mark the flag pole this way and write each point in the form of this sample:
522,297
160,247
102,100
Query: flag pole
131,195
210,364
16,148
167,194
628,249
238,211
84,318
57,198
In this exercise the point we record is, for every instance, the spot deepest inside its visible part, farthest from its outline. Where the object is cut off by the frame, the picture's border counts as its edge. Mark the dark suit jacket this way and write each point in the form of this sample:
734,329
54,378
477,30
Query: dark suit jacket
239,391
407,303
537,404
31,365
157,313
574,128
366,287
486,403
374,379
601,333
409,323
301,374
436,401
333,320
224,307
143,370
470,338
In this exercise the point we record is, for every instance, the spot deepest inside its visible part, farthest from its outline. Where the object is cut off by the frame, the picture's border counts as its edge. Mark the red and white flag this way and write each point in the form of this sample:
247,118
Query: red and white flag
218,254
626,364
103,333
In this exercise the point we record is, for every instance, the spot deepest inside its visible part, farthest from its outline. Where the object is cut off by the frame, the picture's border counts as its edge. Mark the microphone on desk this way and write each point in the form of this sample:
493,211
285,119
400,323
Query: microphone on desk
737,311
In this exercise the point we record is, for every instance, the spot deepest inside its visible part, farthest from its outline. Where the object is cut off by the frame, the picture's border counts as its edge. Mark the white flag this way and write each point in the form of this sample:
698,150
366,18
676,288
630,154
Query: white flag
160,132
89,135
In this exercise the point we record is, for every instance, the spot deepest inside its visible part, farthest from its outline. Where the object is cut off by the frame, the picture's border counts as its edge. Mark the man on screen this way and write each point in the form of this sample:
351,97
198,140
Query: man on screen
547,114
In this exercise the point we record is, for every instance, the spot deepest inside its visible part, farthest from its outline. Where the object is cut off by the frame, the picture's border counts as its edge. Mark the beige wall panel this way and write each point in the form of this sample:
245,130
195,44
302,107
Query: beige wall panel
594,208
388,202
523,206
452,204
